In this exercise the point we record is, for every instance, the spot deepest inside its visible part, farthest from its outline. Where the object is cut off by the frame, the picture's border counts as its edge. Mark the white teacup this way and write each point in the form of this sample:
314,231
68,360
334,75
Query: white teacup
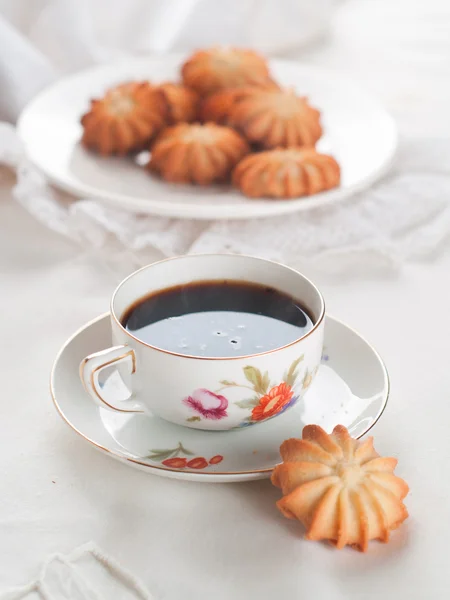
195,391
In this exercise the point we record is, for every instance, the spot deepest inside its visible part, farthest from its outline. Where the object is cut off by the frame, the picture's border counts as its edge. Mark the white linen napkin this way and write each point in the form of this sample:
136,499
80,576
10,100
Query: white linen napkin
406,216
87,573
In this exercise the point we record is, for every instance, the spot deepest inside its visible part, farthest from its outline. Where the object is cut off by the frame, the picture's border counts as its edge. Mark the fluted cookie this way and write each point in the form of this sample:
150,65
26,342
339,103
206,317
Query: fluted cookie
125,119
341,489
196,153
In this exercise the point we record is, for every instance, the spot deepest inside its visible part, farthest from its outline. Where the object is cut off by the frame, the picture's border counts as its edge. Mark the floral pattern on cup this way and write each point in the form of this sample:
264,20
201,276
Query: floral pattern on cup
277,399
208,404
268,398
308,378
325,355
174,459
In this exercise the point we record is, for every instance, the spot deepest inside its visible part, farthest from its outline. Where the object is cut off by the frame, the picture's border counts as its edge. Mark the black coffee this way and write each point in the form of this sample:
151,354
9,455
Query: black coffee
217,318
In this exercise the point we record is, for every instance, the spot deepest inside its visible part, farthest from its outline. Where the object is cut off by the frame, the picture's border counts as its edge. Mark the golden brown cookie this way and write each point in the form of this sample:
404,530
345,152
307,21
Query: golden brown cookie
208,71
182,102
286,173
340,488
195,153
218,107
125,119
275,118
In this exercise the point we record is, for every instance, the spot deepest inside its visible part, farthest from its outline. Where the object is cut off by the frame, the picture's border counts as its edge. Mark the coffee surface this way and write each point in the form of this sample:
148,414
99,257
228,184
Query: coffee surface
220,318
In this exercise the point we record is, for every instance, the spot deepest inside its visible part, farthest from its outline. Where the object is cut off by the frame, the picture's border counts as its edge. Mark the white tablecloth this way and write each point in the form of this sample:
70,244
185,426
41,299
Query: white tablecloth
191,541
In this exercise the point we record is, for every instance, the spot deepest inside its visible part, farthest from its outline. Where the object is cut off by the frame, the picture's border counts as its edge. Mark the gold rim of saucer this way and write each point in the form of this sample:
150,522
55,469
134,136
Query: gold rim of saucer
123,457
274,262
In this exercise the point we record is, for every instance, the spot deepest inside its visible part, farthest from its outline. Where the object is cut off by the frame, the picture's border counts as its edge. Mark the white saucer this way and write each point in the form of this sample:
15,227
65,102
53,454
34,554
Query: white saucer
351,388
358,132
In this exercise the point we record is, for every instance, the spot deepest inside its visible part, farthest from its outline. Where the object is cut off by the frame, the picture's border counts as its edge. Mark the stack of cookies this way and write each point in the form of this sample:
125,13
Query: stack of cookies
228,120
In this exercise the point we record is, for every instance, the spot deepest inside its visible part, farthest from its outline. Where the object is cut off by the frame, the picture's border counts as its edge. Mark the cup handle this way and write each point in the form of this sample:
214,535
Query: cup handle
91,367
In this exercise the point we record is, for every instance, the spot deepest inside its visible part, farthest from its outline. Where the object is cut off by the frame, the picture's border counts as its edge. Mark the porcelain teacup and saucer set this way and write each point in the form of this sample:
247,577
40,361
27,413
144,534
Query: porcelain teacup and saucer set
205,364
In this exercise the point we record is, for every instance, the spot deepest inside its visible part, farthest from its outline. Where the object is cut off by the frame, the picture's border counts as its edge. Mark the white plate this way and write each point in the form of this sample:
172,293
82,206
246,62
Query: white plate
351,388
358,132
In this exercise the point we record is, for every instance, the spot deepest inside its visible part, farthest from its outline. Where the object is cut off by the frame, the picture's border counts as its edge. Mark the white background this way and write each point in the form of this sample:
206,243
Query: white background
194,541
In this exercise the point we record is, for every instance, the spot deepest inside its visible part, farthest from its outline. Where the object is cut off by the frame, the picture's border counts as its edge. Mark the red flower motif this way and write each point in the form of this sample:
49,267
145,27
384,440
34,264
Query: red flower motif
175,463
215,460
273,402
197,463
208,404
